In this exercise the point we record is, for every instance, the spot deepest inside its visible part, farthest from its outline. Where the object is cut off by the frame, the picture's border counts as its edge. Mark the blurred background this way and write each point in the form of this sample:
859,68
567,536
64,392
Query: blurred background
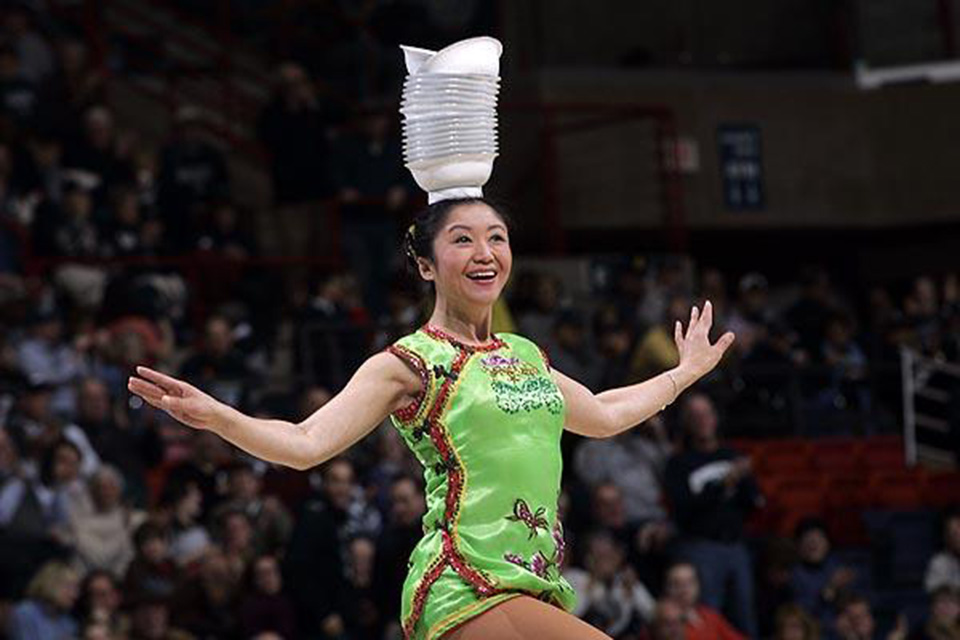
215,188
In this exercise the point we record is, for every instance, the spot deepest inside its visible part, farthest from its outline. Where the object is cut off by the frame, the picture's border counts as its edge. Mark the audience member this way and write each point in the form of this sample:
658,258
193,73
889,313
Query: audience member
712,490
45,612
609,594
792,622
944,567
265,607
682,586
855,621
818,580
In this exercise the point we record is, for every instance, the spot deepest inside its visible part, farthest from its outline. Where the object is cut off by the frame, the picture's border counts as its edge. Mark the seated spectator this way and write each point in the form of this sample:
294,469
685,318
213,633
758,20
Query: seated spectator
219,367
373,188
264,607
634,461
682,586
94,155
32,524
614,338
19,27
944,567
753,312
294,128
60,473
818,579
538,302
74,87
610,596
569,349
236,540
943,622
222,234
182,505
655,350
668,622
18,95
712,490
314,565
205,604
150,619
99,604
103,536
855,621
395,544
152,570
49,359
362,618
45,611
792,622
272,522
208,455
193,173
131,448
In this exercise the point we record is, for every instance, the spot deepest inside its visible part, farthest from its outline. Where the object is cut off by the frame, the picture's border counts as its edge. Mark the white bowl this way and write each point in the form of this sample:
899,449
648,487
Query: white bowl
414,57
423,141
417,159
458,170
452,109
431,149
474,55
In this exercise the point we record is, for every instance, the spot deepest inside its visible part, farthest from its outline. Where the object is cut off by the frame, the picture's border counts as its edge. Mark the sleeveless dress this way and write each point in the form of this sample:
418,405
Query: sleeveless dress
486,429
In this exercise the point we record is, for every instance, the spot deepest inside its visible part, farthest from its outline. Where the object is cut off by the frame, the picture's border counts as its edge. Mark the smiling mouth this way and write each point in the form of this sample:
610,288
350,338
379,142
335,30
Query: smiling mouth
482,276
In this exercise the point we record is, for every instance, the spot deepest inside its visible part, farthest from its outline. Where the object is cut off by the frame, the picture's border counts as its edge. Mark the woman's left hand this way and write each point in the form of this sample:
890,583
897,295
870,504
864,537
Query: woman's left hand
697,355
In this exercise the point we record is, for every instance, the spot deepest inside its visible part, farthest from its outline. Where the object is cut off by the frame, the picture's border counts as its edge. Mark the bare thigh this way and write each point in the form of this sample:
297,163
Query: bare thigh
524,618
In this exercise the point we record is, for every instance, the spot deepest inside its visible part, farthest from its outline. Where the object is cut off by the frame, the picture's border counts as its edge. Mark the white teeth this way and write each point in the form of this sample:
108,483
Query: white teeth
482,274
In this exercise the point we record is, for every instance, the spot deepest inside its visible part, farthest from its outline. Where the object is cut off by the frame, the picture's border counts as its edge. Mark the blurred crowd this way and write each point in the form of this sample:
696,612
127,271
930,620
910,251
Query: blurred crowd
117,523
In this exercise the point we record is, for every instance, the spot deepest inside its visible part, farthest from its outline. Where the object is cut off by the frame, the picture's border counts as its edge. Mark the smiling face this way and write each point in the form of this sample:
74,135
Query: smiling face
471,257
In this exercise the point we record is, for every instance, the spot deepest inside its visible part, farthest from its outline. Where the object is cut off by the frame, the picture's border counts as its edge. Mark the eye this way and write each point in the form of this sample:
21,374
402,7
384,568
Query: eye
498,237
462,239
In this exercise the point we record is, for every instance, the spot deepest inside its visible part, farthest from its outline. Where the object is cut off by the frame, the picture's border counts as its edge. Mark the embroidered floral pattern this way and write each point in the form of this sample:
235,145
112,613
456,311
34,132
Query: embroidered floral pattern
513,369
539,564
528,395
534,520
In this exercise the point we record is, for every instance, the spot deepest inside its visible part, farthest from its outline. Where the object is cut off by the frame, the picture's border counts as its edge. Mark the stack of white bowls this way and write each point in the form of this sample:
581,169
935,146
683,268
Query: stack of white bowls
449,112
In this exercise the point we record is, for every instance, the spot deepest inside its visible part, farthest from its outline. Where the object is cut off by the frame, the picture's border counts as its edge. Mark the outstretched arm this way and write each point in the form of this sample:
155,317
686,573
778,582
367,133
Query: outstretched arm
380,386
606,414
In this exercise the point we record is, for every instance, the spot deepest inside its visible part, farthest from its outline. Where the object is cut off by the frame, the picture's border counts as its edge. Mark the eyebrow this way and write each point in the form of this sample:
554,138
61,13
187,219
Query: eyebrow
495,225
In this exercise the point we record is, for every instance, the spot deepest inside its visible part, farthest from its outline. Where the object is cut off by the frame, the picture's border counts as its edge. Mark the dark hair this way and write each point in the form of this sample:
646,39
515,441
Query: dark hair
808,524
418,241
50,455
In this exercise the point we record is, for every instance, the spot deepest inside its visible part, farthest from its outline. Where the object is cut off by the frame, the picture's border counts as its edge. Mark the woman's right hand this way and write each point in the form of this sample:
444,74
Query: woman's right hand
181,400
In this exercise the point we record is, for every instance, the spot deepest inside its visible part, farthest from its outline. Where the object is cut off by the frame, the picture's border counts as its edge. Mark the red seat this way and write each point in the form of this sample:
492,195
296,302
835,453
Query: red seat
883,453
794,503
896,489
941,489
836,454
783,456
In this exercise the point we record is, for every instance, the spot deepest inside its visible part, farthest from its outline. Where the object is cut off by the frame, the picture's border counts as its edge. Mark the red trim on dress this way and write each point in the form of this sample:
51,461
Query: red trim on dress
409,412
439,334
451,556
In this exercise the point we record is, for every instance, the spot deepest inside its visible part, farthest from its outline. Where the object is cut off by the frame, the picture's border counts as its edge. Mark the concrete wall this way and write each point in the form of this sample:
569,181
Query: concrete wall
832,155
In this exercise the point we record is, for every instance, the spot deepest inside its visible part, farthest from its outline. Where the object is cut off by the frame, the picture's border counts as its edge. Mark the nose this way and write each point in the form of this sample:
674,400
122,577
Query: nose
483,253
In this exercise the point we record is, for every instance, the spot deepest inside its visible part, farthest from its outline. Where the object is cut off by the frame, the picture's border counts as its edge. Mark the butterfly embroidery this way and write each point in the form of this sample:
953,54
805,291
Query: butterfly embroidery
534,520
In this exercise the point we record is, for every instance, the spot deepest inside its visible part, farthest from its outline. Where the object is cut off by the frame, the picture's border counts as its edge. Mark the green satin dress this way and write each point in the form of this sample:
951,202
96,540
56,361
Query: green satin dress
486,429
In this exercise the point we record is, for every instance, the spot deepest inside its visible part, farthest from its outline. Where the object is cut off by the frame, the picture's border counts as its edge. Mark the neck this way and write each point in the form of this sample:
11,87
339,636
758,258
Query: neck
471,325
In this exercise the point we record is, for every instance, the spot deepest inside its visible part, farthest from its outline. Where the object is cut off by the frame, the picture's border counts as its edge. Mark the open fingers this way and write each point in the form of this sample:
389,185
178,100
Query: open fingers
169,384
150,392
707,318
694,316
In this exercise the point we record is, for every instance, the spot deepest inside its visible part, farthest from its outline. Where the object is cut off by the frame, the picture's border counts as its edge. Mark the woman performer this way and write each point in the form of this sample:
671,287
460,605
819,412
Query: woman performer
483,413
